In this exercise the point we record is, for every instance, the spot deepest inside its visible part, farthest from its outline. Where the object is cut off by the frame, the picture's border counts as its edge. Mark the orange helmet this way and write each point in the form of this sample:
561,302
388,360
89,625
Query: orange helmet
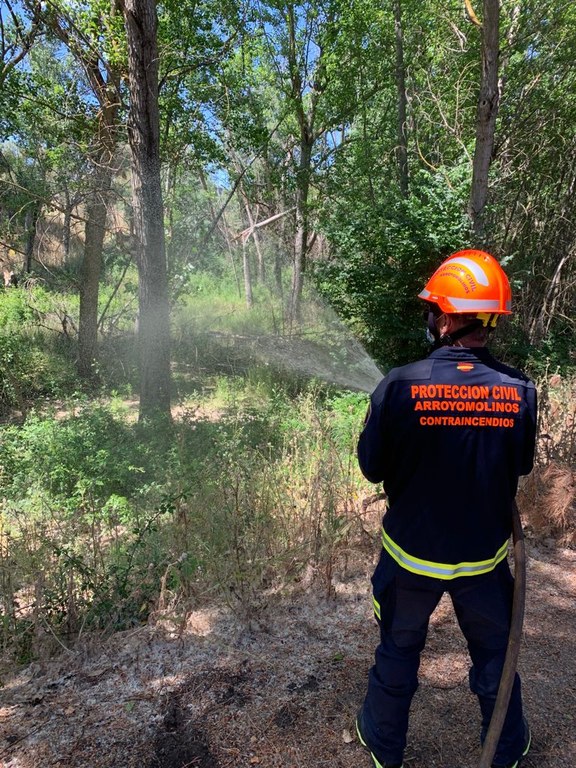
469,281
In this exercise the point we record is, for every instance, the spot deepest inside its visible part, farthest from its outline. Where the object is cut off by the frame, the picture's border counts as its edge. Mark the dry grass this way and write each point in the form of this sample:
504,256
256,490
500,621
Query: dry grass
208,692
547,499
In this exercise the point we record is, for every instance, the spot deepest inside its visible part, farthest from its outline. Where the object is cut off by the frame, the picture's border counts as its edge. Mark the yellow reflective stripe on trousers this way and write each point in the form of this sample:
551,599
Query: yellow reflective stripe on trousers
441,570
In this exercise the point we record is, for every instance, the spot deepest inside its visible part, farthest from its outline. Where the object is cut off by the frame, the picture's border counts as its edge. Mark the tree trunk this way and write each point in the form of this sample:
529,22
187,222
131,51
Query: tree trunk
94,235
485,117
104,79
402,134
253,234
247,274
261,271
30,224
90,270
67,226
225,231
223,228
301,236
305,114
144,137
280,240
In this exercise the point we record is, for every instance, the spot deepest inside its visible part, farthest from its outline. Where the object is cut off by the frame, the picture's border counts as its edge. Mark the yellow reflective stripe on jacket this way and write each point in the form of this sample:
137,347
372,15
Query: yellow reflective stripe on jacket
376,607
440,570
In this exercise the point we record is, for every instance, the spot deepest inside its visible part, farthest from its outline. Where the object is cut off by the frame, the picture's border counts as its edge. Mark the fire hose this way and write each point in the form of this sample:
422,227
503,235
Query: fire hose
514,641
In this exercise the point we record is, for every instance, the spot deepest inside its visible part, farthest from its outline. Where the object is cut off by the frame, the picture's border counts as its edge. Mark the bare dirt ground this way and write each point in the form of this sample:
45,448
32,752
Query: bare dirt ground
215,694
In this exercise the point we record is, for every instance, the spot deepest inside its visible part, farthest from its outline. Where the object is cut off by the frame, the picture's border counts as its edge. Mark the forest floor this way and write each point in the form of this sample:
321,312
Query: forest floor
214,693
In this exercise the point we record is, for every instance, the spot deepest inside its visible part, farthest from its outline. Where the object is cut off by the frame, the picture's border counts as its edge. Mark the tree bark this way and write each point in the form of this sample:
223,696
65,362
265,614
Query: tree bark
104,80
144,138
260,267
251,233
306,116
30,223
67,225
247,274
90,270
485,117
94,235
301,235
402,134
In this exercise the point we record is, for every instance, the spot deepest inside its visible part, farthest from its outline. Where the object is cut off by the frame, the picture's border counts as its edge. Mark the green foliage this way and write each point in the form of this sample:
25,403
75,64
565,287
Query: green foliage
83,456
80,505
35,358
511,343
190,250
214,304
30,371
384,250
15,311
279,486
103,519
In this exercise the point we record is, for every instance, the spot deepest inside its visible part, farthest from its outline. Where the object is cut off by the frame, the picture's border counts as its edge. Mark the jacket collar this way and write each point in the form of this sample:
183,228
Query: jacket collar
462,353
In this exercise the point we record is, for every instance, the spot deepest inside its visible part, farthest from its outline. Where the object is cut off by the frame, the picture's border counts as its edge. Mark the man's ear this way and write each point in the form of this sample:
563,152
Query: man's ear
444,324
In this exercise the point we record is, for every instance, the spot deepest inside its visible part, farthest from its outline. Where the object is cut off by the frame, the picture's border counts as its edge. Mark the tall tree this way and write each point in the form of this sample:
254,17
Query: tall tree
486,116
23,194
300,82
48,131
144,136
91,35
402,148
19,29
534,202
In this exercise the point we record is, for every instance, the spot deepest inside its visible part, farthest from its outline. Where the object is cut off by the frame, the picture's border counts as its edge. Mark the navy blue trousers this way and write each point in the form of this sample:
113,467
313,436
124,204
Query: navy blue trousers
483,607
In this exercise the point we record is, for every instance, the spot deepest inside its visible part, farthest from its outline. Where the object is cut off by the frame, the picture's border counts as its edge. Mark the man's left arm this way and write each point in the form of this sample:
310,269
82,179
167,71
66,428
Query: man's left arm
371,449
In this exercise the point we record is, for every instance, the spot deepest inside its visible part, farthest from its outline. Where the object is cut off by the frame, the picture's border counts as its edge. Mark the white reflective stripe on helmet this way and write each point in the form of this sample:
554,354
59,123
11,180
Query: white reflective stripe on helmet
475,268
475,305
468,305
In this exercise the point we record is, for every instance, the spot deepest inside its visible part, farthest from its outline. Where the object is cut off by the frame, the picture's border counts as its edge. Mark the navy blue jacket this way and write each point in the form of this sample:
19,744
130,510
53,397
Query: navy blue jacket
449,436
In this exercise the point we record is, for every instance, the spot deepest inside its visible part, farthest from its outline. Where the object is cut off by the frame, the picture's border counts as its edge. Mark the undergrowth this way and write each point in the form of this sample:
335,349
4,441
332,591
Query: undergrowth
104,521
252,491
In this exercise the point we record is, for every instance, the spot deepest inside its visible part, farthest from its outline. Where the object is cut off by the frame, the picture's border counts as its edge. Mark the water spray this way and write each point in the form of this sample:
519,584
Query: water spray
322,347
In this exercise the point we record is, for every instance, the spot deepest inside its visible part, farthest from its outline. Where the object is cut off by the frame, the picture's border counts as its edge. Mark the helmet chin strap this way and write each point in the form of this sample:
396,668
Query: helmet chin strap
431,330
449,339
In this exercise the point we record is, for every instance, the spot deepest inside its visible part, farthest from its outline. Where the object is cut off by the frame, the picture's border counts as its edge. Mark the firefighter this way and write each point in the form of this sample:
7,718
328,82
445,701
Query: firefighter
448,436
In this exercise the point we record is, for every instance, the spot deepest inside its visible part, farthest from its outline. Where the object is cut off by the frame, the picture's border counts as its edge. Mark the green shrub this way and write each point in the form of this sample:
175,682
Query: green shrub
103,520
279,495
383,251
36,357
80,502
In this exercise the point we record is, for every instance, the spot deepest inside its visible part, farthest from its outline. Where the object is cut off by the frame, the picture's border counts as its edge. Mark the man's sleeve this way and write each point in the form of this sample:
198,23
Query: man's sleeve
371,450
